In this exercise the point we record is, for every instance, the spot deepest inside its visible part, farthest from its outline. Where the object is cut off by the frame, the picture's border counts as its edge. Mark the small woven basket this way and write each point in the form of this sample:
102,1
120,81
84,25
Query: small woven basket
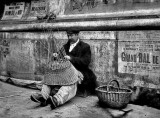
113,97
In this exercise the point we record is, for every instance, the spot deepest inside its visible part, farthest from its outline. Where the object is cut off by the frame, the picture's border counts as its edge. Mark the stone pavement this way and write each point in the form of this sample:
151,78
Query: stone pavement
15,103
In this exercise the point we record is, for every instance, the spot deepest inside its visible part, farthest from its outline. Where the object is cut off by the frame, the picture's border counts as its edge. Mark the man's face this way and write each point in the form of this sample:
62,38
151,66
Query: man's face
73,37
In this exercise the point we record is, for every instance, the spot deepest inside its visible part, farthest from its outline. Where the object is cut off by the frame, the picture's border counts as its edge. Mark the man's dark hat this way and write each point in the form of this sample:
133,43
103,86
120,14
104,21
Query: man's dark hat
72,31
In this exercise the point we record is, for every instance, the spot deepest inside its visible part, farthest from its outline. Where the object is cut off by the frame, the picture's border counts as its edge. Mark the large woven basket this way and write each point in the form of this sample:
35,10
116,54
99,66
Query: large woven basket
113,97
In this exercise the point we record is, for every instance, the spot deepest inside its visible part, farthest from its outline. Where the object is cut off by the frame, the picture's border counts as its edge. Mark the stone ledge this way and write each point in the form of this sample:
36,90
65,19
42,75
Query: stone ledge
24,83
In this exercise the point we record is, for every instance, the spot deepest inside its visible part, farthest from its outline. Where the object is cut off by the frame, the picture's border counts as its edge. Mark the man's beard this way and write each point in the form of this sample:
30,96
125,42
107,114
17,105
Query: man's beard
72,41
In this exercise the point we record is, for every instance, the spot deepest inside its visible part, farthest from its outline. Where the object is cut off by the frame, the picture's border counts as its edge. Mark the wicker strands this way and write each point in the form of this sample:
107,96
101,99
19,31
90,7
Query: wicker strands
65,76
59,71
55,66
113,97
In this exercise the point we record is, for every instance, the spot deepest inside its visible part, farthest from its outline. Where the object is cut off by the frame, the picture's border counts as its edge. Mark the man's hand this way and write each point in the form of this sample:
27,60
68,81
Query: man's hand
55,54
67,57
80,80
80,76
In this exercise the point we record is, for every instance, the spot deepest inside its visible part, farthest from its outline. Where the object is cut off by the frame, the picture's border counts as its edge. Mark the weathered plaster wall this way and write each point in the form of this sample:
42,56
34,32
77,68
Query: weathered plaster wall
25,54
139,57
131,55
17,58
94,8
28,53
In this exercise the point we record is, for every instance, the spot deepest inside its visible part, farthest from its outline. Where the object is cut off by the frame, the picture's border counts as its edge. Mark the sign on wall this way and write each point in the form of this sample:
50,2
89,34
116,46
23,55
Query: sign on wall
139,56
110,6
13,11
38,8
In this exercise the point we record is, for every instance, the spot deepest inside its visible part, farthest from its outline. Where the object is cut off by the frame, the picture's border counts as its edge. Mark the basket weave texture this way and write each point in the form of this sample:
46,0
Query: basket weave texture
113,97
62,76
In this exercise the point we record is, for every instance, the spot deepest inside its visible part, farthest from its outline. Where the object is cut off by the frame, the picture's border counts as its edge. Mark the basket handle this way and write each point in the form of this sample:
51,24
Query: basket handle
111,82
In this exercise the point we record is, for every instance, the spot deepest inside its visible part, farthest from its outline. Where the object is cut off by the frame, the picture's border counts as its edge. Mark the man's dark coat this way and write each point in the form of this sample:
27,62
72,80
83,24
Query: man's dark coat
81,58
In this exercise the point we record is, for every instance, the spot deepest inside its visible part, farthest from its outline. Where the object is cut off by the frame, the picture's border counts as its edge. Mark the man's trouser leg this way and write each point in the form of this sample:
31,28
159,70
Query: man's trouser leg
46,90
41,97
64,94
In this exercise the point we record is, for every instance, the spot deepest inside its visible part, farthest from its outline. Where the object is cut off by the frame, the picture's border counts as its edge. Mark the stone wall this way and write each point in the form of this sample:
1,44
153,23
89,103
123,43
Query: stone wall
27,53
138,57
133,56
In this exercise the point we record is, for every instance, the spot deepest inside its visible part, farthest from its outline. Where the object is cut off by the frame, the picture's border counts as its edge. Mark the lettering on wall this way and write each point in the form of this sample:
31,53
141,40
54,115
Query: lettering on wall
38,8
13,11
79,4
139,57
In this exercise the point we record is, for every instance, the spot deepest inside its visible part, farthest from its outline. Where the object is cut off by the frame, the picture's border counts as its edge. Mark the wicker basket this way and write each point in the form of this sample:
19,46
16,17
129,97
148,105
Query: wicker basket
113,97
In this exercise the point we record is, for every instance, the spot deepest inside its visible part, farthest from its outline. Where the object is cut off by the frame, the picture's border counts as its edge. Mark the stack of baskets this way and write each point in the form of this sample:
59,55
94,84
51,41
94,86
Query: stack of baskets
113,97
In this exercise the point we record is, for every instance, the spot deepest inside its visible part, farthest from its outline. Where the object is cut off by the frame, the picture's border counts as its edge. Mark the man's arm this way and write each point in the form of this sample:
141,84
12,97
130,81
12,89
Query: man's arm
83,59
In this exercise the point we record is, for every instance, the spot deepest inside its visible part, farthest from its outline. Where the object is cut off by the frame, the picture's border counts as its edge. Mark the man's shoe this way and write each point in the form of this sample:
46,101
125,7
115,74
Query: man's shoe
38,98
53,102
